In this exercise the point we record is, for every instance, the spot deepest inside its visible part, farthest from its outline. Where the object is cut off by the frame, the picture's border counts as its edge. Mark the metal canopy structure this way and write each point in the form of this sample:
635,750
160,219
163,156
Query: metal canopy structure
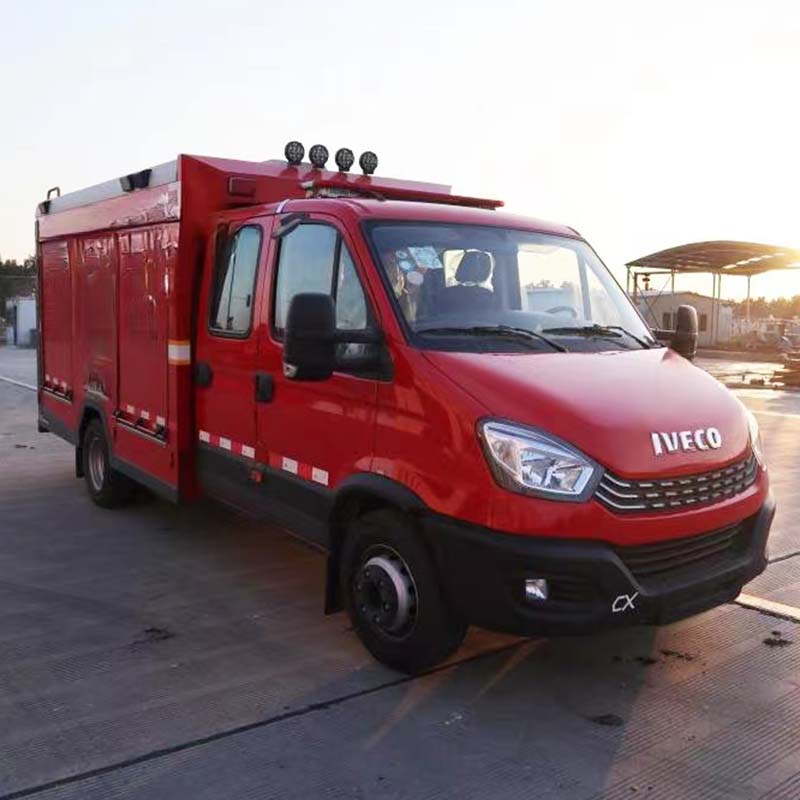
741,259
727,258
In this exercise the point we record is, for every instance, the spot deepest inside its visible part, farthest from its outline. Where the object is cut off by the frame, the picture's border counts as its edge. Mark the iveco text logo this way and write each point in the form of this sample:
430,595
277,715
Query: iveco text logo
700,439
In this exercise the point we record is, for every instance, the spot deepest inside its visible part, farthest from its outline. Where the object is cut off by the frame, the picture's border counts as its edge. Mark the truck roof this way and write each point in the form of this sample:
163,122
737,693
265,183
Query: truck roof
370,208
198,184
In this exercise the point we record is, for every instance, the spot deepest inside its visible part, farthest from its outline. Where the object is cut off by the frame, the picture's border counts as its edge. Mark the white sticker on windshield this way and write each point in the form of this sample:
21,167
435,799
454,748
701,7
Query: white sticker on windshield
426,257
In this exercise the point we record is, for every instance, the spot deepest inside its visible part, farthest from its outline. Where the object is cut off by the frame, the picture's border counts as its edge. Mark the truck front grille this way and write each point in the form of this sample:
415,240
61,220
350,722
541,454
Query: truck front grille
665,494
660,558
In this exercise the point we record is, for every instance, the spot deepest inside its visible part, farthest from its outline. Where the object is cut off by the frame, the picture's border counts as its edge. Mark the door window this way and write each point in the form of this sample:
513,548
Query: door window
234,284
313,258
351,306
305,265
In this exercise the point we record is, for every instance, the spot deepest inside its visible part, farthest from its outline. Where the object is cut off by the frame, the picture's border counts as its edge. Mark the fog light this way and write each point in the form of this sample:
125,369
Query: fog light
536,589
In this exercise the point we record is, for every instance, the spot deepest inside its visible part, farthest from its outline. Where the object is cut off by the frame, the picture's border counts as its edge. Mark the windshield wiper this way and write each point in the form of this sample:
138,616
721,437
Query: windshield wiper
609,331
493,330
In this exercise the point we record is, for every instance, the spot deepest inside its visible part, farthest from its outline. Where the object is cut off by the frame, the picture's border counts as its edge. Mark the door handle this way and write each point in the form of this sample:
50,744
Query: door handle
265,387
203,374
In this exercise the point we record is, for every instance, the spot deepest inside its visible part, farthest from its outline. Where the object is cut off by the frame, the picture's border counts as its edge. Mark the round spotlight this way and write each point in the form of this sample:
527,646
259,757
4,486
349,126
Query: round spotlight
318,155
368,162
344,159
294,152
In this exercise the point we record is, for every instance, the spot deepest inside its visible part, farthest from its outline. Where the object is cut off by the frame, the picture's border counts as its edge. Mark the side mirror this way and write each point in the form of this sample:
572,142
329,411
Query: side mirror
309,348
684,340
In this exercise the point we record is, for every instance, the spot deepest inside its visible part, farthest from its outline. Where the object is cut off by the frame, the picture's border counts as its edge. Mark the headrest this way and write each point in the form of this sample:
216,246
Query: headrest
475,267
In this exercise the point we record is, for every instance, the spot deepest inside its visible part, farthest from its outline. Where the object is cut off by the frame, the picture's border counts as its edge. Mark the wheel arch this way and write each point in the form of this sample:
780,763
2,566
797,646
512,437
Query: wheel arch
90,411
355,496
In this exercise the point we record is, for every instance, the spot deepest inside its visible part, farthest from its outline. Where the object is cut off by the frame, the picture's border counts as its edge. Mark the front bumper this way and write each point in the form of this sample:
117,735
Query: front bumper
593,584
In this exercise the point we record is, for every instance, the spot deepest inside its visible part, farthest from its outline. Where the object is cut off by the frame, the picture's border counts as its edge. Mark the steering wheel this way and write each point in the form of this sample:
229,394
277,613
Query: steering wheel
557,309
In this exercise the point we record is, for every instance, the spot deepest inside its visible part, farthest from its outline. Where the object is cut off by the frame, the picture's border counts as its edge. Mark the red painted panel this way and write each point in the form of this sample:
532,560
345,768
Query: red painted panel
143,259
96,318
326,427
56,312
227,406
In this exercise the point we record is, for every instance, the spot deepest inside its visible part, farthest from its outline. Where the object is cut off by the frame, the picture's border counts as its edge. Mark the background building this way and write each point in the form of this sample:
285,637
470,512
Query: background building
659,309
20,315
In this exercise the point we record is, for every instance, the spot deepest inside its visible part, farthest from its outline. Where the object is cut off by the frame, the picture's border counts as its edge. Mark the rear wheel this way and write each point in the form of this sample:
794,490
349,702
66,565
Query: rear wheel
107,487
392,594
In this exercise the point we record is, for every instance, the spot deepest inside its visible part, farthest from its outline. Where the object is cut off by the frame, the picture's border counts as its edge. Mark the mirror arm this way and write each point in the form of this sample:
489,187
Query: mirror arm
359,337
662,335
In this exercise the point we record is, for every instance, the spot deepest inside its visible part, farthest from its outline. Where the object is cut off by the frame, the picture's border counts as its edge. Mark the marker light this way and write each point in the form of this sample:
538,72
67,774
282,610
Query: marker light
368,162
344,159
294,152
318,155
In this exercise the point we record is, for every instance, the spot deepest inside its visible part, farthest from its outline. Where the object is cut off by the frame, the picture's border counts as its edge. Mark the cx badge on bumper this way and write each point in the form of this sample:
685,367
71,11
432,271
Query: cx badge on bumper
625,602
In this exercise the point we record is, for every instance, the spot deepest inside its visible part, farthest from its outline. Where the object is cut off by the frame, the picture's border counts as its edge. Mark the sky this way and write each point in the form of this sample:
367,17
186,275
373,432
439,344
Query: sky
643,125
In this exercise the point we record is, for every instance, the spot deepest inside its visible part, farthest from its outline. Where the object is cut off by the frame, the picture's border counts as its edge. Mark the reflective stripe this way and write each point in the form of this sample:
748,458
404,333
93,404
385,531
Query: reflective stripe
289,464
179,351
275,460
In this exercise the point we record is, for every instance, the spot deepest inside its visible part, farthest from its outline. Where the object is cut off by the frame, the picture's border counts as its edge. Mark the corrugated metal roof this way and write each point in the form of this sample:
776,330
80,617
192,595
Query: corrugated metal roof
729,258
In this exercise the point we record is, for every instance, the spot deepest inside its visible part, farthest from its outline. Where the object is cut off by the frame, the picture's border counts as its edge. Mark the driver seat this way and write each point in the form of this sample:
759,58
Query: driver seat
467,295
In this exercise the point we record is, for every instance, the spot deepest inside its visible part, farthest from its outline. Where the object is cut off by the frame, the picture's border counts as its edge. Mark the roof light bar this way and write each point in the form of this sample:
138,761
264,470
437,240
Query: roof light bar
368,162
347,186
318,155
294,152
344,159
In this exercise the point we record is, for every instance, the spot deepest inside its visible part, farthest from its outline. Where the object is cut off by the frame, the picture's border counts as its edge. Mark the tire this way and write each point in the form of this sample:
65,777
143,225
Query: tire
393,596
107,487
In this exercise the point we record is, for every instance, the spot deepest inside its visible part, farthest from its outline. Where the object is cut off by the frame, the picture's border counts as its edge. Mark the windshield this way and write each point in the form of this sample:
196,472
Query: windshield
516,289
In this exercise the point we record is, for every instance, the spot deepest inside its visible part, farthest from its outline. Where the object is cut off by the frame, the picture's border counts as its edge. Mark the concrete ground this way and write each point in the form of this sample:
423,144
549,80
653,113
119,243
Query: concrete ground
739,371
163,652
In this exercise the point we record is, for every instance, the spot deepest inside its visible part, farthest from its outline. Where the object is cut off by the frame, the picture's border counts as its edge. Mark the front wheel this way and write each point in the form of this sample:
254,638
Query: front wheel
107,487
392,594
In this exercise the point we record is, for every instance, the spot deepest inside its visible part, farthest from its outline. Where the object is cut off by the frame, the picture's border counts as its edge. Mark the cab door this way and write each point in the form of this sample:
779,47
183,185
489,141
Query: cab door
314,434
227,360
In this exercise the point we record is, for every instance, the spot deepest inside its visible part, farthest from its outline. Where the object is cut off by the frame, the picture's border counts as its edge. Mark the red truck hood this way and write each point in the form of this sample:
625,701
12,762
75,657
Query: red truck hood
610,404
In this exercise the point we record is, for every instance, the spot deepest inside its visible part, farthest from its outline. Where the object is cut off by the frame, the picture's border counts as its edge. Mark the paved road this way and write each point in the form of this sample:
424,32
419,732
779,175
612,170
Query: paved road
18,364
732,371
166,652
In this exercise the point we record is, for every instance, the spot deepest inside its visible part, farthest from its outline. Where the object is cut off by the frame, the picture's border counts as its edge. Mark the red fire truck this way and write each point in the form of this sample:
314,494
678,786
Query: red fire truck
460,406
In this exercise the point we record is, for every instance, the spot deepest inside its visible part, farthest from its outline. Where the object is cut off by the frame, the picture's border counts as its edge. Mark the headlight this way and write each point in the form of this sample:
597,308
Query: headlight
755,439
524,460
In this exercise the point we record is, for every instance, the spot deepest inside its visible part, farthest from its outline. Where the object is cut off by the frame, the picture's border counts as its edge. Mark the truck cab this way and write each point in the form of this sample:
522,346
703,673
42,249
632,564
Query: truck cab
462,408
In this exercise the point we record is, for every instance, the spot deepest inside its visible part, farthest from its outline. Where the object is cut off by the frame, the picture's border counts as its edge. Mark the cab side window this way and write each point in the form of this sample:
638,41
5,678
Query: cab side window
313,258
231,311
305,264
351,306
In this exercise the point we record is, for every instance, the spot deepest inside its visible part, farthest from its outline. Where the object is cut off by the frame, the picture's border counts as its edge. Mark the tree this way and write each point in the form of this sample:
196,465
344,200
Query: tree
16,280
779,308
